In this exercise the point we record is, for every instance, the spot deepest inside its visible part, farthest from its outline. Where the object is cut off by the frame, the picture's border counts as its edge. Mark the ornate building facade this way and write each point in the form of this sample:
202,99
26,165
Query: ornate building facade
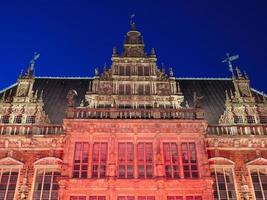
133,132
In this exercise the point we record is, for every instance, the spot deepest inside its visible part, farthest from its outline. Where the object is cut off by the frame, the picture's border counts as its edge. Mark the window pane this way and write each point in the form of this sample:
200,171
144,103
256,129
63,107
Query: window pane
8,183
46,186
80,165
145,160
189,160
99,160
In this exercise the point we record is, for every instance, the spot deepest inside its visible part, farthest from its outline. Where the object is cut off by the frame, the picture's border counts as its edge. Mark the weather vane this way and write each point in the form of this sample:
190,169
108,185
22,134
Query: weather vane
229,59
132,21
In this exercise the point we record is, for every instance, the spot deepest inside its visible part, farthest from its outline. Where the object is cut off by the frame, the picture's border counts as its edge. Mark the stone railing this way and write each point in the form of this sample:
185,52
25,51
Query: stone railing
33,129
123,113
244,129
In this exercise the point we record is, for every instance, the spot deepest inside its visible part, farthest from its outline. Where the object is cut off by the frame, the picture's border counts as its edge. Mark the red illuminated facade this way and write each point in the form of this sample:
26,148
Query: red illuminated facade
133,132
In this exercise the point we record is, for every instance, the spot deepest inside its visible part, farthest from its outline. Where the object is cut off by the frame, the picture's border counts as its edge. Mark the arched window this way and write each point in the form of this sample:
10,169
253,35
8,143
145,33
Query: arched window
258,174
224,183
259,180
46,186
47,171
224,187
9,173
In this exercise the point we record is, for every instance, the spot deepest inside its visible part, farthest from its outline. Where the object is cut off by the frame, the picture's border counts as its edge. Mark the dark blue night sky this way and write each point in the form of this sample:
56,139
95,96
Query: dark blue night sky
74,37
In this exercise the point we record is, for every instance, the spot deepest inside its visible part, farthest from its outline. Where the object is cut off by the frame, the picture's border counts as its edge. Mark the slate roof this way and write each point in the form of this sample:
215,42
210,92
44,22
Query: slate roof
56,89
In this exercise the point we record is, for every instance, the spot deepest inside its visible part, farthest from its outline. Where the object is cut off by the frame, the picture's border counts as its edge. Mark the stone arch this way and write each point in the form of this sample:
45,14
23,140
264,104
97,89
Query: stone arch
220,161
46,161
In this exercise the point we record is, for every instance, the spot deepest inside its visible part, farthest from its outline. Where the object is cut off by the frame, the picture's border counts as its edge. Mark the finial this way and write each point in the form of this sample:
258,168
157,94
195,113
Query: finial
114,51
132,22
21,73
9,98
41,95
229,59
152,52
3,97
36,94
245,74
171,72
239,74
231,93
96,71
105,66
162,68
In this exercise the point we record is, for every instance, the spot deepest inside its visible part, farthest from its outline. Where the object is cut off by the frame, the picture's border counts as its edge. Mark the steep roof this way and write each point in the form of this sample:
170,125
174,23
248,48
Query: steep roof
56,89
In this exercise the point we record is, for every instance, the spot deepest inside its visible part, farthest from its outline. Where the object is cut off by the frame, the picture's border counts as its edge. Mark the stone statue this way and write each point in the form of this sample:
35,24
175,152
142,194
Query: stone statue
70,98
196,100
24,189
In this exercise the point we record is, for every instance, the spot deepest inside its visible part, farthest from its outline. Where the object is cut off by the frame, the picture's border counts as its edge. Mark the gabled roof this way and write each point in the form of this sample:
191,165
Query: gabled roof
56,89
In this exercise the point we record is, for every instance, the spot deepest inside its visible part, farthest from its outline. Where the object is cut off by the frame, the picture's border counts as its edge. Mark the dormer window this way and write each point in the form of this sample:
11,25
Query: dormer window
5,119
30,119
238,119
17,119
251,120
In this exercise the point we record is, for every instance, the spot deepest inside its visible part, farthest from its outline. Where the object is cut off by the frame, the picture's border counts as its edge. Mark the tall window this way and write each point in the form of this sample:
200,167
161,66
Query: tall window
144,89
145,160
189,160
99,160
259,180
46,186
125,198
146,198
8,183
78,198
174,198
125,89
224,188
97,198
80,165
143,71
126,160
146,71
140,71
170,152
